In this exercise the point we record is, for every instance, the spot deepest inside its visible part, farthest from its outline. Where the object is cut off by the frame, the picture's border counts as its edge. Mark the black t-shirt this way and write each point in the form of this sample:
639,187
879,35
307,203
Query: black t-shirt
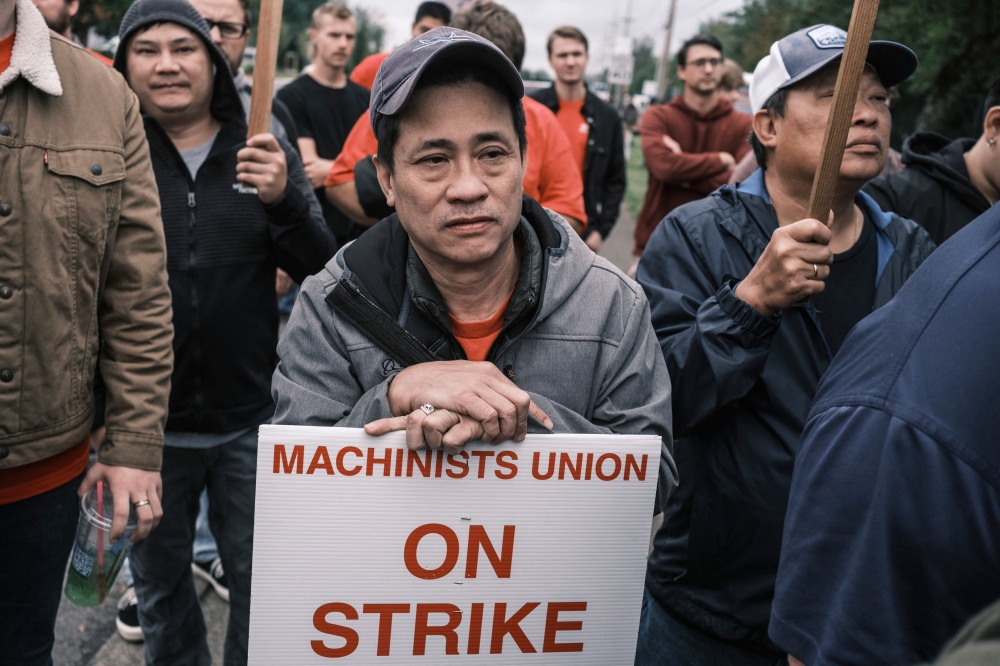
326,115
849,295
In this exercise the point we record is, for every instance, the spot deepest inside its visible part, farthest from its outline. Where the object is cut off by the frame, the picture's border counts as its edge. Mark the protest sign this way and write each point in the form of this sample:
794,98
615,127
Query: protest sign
522,553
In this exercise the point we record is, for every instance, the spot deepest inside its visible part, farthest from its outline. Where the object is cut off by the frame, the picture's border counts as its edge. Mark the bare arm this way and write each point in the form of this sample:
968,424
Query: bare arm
316,167
345,197
792,661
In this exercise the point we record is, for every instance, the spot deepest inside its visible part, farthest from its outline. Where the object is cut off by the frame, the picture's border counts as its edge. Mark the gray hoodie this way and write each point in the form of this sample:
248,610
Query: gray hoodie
581,343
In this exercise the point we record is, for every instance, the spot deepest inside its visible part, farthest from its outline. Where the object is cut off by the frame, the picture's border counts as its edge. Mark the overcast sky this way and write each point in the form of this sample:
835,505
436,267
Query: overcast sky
597,19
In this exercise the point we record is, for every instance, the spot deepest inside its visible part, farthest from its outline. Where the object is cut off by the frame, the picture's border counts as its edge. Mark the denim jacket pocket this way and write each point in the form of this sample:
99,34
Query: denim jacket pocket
88,189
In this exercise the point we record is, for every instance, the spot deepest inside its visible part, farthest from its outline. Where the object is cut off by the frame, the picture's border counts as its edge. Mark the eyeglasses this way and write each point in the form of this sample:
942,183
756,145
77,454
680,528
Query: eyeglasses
228,30
701,62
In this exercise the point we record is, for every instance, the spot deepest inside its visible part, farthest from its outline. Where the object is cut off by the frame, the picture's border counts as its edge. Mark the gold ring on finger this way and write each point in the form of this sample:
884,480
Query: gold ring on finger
815,271
140,503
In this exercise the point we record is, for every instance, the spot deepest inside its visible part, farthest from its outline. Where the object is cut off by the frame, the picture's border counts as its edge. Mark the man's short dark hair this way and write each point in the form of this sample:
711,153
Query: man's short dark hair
434,10
496,23
450,74
704,39
993,96
247,13
567,32
775,104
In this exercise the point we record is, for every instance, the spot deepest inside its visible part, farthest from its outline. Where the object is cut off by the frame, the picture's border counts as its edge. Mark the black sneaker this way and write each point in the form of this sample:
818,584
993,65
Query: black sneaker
212,573
128,617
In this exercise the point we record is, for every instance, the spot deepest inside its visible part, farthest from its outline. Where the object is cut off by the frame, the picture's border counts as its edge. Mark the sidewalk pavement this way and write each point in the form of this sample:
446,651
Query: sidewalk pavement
88,637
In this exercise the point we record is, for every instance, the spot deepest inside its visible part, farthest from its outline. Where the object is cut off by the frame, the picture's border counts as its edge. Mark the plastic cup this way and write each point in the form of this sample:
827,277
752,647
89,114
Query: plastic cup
96,562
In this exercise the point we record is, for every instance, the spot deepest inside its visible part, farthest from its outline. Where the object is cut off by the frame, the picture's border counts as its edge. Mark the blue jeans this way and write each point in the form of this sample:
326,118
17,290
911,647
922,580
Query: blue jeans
37,535
205,549
666,641
169,612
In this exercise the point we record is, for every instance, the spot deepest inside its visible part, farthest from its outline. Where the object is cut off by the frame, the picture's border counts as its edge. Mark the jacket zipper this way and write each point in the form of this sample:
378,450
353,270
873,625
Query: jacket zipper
195,318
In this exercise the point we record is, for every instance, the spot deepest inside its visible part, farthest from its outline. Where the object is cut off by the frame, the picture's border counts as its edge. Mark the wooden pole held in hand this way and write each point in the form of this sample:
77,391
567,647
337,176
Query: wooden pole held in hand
845,95
264,65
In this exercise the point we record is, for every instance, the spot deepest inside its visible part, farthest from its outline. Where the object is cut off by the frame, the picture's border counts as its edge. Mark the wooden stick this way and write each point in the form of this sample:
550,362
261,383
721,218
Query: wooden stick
264,65
845,95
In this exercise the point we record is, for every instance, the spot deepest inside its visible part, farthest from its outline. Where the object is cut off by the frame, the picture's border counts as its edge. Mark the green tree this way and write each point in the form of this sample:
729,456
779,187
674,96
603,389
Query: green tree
957,42
644,67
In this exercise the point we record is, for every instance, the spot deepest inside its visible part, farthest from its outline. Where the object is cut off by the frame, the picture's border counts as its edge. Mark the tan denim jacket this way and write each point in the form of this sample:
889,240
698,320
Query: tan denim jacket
82,257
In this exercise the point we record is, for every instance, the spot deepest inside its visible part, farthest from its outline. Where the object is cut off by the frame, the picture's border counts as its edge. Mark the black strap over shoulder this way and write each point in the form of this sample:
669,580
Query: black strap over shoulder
374,322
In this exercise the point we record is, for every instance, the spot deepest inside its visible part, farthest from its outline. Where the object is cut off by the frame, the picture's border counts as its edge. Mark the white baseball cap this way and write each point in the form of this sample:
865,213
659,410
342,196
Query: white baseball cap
803,53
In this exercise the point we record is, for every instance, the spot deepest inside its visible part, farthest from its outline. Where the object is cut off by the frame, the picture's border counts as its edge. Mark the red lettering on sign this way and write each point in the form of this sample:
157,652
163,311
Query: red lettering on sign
385,462
565,461
414,457
321,460
600,467
552,466
479,539
349,635
512,626
399,461
340,460
502,461
463,468
281,460
482,455
422,630
385,613
590,466
410,551
475,628
630,463
439,463
553,625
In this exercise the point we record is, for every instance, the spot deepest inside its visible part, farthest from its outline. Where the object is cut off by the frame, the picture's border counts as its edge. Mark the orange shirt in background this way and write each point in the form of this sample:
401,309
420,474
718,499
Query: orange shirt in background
6,48
577,130
477,337
364,72
551,178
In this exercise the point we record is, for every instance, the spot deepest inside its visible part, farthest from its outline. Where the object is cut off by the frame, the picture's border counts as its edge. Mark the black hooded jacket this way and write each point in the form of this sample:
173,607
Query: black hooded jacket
223,246
934,189
604,165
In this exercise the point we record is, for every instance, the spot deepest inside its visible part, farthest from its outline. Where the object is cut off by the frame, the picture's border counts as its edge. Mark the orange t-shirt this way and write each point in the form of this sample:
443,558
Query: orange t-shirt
20,483
364,72
6,48
576,128
550,179
477,337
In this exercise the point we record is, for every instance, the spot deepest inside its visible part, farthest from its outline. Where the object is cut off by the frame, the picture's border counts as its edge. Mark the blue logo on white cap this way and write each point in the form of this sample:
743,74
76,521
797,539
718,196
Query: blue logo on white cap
443,39
828,37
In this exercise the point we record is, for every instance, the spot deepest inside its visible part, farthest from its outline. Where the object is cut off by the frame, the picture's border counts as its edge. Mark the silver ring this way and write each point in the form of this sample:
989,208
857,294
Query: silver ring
815,271
140,503
427,408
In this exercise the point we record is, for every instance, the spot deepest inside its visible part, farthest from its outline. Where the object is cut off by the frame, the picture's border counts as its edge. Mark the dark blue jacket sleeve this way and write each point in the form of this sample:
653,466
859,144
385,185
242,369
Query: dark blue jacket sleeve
715,345
891,543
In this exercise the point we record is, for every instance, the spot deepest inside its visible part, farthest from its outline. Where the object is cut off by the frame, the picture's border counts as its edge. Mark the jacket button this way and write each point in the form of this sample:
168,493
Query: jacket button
4,130
6,293
96,169
4,452
6,376
5,210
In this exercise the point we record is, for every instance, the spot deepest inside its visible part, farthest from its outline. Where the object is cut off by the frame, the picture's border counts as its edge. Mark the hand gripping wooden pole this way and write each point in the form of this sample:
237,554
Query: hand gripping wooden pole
845,95
264,64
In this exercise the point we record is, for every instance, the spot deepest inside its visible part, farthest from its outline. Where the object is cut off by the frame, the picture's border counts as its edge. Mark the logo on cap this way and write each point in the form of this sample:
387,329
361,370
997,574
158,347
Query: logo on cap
828,37
443,39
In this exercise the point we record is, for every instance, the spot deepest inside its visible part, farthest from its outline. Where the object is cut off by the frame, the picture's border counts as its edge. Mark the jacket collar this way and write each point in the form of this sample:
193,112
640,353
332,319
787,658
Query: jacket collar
756,187
32,54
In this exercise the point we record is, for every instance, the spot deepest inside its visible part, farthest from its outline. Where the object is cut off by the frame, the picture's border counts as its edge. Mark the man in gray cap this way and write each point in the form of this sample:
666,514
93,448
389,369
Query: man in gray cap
751,301
471,312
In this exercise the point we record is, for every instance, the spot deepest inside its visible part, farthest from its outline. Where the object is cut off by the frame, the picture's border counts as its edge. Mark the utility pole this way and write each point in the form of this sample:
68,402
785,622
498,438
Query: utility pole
661,82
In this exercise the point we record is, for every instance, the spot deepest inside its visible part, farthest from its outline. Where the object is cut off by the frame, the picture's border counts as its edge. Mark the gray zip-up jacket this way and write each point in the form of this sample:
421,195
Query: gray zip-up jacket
577,337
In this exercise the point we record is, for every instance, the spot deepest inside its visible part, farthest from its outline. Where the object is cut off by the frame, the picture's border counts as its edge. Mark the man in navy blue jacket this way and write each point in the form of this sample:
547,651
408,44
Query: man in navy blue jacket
892,539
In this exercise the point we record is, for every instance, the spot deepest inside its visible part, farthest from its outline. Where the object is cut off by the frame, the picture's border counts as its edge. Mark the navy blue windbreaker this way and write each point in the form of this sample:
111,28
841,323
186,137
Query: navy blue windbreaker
892,539
743,385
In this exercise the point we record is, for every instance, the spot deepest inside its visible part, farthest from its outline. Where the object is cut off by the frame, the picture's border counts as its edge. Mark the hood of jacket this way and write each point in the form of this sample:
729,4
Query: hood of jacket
943,160
383,271
722,108
226,106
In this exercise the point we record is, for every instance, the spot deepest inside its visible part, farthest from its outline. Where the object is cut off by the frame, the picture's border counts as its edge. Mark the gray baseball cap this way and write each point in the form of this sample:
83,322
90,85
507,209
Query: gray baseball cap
398,75
803,53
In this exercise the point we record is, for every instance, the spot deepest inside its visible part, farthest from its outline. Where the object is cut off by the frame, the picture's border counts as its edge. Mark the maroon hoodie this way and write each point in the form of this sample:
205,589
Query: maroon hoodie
678,178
